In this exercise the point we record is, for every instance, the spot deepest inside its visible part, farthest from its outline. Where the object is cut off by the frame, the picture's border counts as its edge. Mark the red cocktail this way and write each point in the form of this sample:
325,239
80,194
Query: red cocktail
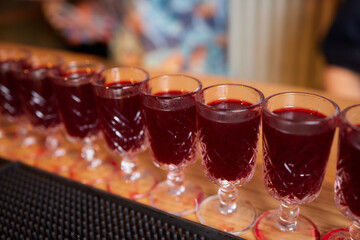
172,132
10,104
118,101
298,130
36,94
170,117
238,137
77,105
296,172
228,117
76,101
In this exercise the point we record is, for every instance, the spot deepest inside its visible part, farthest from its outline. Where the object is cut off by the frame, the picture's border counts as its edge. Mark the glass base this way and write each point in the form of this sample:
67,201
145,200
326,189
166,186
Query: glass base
91,173
58,160
135,186
27,151
163,198
100,185
6,144
338,234
65,173
239,221
266,227
8,140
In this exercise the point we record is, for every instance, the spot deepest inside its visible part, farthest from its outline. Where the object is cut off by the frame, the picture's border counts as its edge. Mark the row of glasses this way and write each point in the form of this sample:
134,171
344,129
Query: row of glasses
228,118
298,130
115,108
290,120
47,77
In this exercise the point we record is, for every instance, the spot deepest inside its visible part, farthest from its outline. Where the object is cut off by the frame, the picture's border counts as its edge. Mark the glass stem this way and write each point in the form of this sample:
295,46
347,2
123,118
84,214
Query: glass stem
288,215
175,179
129,167
354,230
89,149
51,140
24,133
22,127
227,197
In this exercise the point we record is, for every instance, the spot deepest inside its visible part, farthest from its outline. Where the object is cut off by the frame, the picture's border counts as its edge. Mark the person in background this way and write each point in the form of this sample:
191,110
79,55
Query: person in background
342,52
172,35
85,25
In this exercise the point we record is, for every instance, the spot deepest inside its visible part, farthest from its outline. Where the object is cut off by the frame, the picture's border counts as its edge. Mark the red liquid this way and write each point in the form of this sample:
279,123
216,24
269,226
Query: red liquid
10,104
77,106
37,97
121,121
172,132
295,154
347,187
229,148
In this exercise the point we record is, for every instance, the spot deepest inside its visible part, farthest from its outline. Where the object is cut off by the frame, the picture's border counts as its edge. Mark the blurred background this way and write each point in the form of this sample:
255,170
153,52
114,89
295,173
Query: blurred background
277,41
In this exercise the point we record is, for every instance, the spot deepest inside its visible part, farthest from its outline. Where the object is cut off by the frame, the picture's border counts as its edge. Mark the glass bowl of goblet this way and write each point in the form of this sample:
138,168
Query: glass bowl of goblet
169,109
298,130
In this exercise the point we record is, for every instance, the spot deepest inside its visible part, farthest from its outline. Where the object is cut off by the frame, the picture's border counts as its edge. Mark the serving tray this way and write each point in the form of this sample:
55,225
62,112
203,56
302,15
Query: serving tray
35,204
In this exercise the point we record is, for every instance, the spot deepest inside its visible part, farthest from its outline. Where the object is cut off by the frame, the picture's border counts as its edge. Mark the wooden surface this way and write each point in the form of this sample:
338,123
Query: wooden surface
322,211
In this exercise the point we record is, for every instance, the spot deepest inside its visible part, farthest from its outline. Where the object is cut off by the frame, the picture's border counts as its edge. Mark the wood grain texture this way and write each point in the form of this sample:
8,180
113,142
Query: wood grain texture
322,211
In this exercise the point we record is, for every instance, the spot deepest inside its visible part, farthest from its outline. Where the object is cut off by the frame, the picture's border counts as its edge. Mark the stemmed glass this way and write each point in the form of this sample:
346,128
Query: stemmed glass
347,183
228,118
170,118
9,103
16,141
298,130
118,100
39,103
76,102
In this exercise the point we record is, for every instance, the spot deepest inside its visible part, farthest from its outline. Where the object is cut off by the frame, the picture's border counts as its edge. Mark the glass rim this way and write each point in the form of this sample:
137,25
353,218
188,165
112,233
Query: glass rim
145,93
30,69
80,78
26,51
345,120
86,61
245,108
59,59
96,84
327,118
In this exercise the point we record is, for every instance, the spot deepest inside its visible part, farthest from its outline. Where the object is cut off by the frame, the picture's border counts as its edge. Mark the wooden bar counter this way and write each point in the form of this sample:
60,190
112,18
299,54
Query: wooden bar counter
322,211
